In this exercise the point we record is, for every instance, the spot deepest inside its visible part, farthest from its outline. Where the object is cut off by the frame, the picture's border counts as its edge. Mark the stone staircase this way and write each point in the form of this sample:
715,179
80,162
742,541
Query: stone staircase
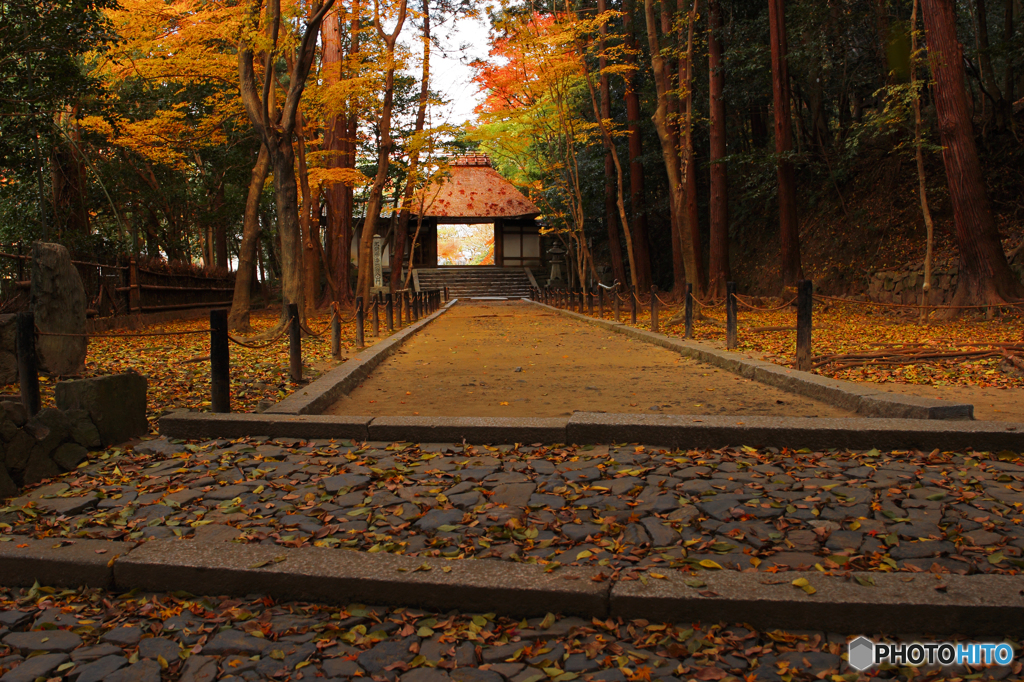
475,281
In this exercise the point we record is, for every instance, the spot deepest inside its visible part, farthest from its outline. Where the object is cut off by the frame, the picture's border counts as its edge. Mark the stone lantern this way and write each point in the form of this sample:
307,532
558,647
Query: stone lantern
557,278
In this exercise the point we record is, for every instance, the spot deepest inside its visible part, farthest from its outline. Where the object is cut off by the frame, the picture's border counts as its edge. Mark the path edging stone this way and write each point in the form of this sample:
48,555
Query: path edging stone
975,605
469,429
845,395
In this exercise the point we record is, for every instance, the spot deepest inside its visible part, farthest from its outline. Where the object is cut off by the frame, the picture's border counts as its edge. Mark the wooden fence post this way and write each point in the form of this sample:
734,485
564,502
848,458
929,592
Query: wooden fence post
389,312
618,316
134,290
632,304
730,315
28,363
335,334
294,343
360,341
600,301
220,362
376,315
804,307
689,312
654,308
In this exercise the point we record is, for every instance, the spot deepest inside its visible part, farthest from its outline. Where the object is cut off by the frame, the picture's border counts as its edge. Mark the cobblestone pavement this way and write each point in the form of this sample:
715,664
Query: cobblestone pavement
630,509
93,636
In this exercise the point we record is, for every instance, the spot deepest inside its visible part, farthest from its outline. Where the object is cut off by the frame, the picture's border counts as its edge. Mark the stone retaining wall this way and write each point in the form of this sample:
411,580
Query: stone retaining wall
904,286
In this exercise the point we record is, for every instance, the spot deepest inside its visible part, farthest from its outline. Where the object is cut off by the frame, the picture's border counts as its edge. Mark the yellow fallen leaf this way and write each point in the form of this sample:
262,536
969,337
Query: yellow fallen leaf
708,563
804,585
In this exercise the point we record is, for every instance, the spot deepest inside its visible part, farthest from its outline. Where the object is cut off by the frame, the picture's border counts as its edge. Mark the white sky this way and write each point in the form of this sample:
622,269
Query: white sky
451,75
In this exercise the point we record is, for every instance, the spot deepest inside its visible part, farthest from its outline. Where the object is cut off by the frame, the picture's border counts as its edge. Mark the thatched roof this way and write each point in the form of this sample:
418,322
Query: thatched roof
475,190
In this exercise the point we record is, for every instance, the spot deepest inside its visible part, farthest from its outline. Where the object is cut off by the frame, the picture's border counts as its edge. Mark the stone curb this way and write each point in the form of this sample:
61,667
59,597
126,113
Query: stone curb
470,429
210,425
845,395
978,605
716,431
669,430
325,391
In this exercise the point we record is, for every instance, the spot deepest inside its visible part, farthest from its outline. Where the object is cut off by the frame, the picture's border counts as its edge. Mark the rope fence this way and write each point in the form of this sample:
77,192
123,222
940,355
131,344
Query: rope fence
694,308
415,304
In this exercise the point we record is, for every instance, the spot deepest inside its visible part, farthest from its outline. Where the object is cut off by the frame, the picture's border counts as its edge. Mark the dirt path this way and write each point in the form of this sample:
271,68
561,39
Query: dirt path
513,360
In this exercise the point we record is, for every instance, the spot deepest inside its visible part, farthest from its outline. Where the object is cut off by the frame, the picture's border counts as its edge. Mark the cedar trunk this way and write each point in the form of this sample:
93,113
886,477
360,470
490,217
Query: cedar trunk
241,301
610,207
985,276
718,261
789,236
637,194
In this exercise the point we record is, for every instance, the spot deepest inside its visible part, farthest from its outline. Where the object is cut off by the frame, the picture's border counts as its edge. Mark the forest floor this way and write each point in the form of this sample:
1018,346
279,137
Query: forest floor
178,369
514,360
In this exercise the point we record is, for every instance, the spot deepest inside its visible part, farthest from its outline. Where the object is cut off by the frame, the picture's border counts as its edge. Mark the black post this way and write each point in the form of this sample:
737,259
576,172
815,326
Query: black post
415,304
445,293
28,363
294,343
375,317
632,304
360,342
590,303
689,313
220,362
730,315
600,301
618,315
654,309
408,307
579,297
804,305
389,313
335,335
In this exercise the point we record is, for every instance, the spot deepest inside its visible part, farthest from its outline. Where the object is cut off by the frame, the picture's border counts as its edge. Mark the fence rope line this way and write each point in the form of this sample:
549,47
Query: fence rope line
247,344
40,332
917,306
765,310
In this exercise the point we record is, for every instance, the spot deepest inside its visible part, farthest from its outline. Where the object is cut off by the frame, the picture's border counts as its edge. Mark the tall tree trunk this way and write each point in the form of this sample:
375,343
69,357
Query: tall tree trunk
926,213
402,229
1007,50
276,128
637,194
335,133
682,252
220,233
310,262
238,316
610,208
1001,109
985,276
718,260
686,133
789,235
375,199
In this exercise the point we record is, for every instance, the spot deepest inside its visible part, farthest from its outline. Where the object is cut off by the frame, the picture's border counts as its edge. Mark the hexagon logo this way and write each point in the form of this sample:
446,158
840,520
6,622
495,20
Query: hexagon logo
861,653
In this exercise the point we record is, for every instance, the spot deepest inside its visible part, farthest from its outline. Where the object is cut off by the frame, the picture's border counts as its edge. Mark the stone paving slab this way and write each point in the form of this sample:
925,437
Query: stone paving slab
320,574
94,635
861,399
325,391
530,513
858,602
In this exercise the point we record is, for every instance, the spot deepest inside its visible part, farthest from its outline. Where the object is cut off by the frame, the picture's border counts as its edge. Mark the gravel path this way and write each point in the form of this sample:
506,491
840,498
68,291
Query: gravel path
629,509
501,359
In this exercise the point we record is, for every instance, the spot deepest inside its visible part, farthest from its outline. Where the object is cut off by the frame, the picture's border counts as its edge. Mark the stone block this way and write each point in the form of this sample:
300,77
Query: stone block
8,488
58,300
15,411
69,455
8,349
83,431
40,467
116,404
18,450
50,428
